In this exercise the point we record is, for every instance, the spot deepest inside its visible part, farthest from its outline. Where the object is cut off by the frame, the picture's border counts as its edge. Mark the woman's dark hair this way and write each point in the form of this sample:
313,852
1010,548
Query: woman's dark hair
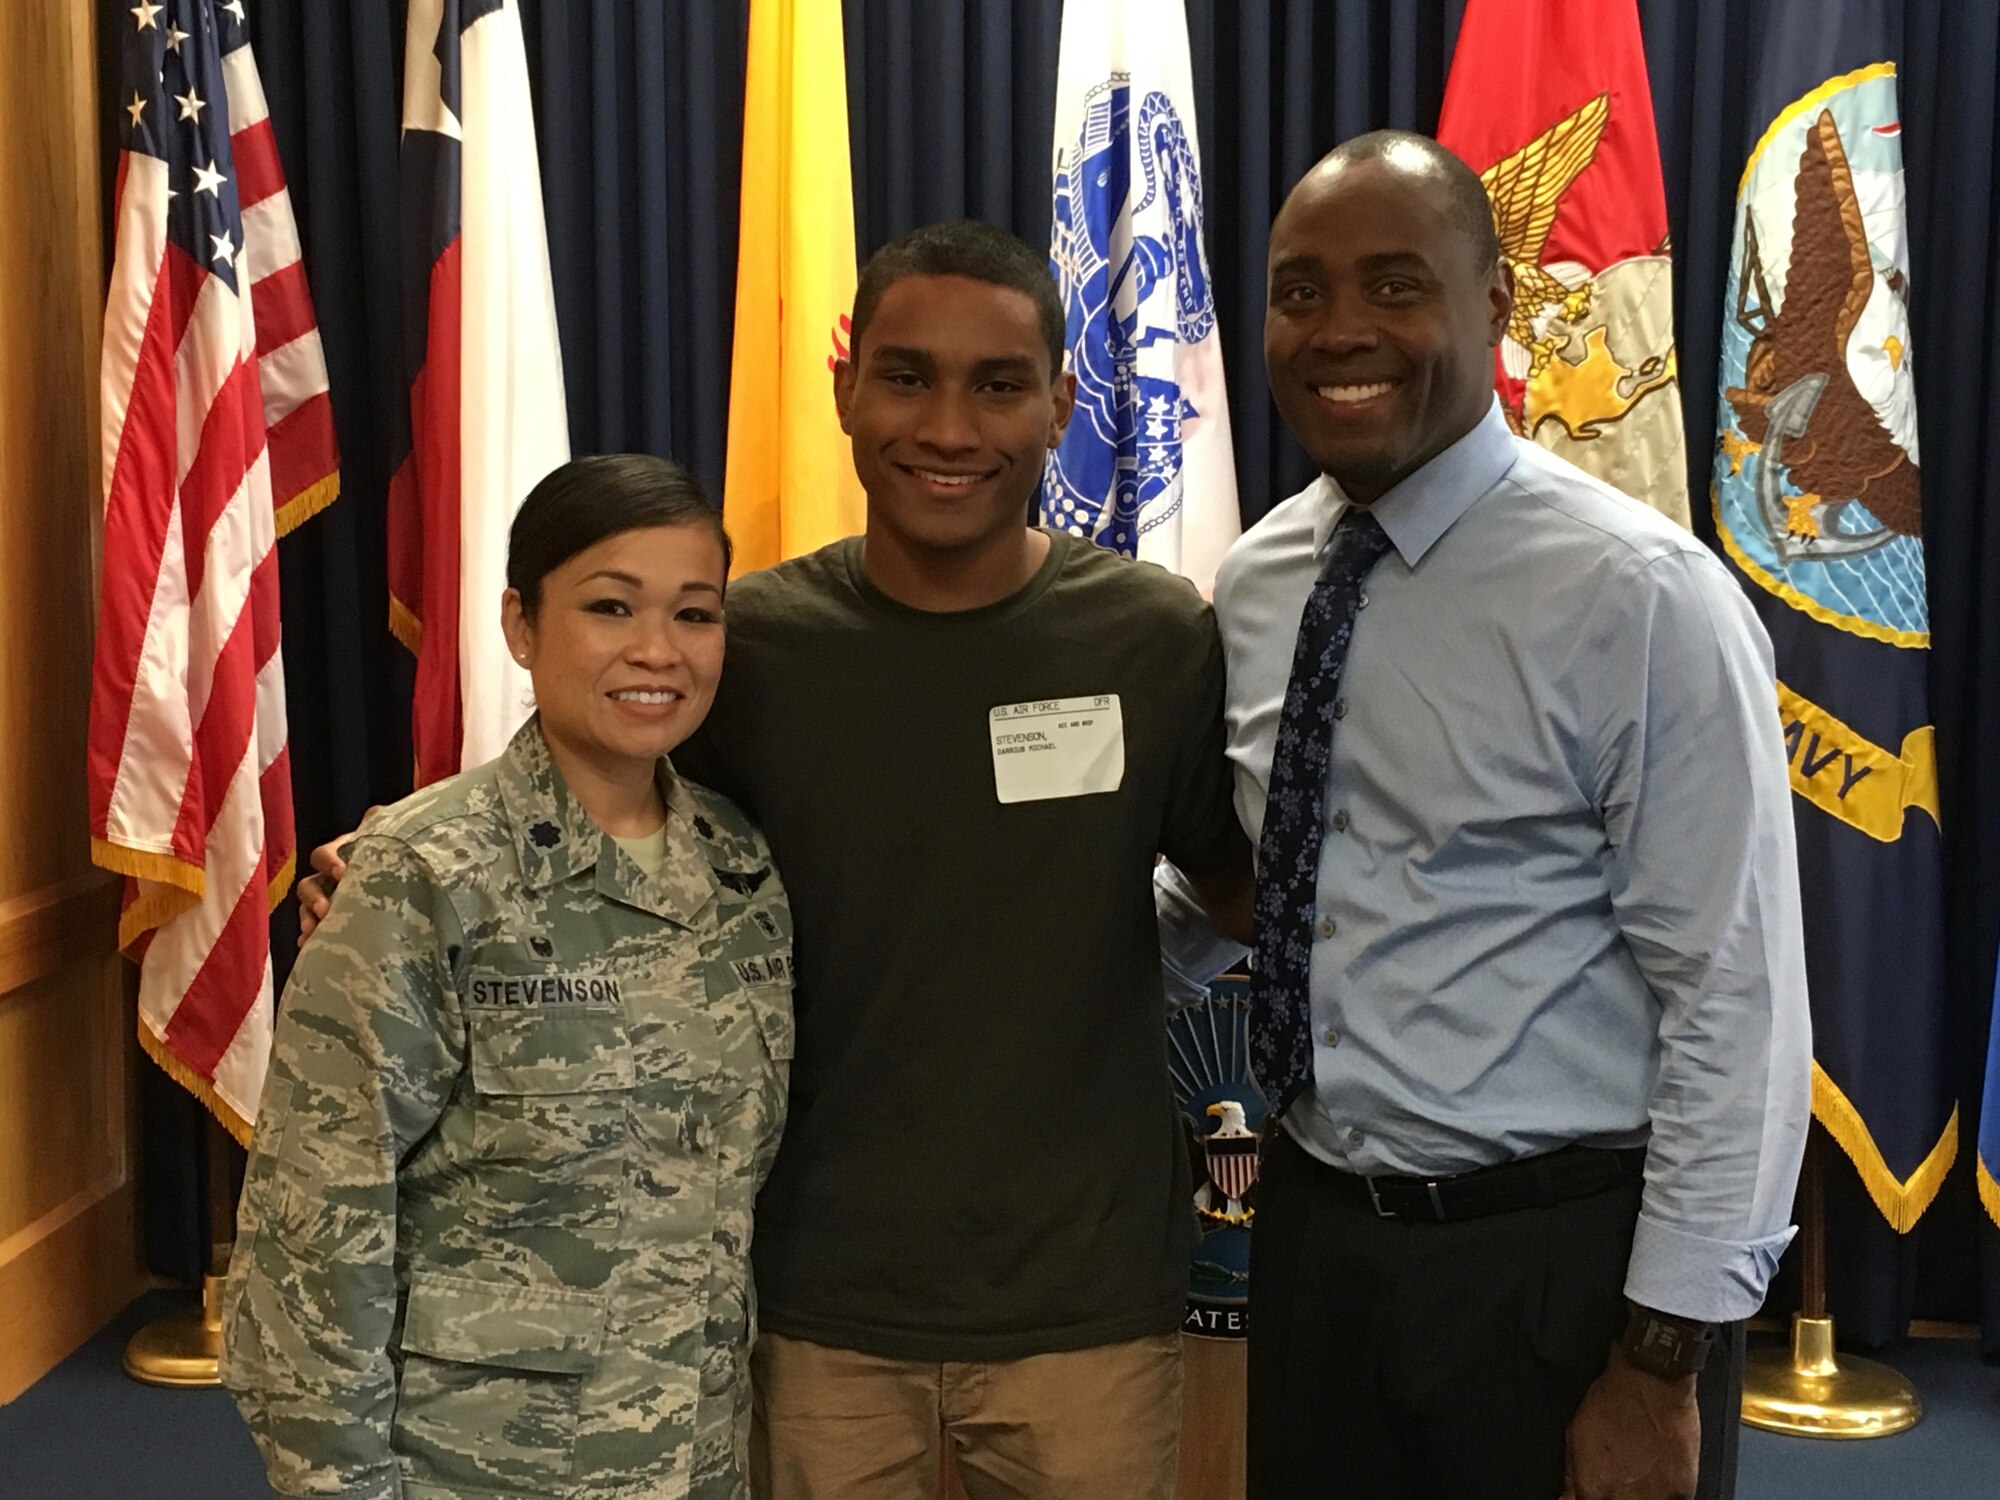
586,500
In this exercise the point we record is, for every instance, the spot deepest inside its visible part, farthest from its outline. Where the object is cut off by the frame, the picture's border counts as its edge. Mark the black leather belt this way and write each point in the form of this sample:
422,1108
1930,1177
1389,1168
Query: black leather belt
1532,1182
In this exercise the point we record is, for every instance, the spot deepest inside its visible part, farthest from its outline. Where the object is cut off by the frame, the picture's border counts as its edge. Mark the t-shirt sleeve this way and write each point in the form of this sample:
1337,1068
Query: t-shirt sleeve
1201,833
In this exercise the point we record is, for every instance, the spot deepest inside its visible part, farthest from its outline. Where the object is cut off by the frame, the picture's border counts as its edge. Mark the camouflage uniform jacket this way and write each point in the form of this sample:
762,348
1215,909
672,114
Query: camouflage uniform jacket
494,1237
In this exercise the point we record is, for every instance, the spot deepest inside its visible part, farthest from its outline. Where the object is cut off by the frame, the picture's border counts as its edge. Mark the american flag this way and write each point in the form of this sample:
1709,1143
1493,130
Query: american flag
190,785
291,367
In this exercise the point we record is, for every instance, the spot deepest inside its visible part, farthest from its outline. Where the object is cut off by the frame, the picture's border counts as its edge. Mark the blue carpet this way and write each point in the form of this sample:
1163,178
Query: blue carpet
1952,1454
87,1432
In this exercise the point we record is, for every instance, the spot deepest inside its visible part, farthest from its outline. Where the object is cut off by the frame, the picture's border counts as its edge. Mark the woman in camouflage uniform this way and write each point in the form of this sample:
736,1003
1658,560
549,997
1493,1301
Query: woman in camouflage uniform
494,1237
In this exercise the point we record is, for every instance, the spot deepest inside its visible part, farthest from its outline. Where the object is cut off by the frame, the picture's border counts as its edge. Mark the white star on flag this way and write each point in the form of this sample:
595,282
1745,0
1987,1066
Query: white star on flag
136,108
145,14
191,105
208,180
175,36
223,249
235,8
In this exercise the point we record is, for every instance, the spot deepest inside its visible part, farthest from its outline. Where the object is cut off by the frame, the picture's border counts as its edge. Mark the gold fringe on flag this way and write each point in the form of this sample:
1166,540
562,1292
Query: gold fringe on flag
1902,1202
176,886
405,626
202,1088
308,502
281,883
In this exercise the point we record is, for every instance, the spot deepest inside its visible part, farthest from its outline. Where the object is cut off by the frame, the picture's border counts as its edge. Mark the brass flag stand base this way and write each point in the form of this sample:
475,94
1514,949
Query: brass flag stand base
1808,1390
185,1349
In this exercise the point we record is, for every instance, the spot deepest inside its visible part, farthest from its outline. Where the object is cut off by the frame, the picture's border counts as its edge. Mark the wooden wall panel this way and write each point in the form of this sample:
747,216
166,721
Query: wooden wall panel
68,1258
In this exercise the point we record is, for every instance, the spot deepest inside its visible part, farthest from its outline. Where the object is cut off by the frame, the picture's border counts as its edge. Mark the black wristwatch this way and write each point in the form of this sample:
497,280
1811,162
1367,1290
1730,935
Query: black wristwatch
1666,1346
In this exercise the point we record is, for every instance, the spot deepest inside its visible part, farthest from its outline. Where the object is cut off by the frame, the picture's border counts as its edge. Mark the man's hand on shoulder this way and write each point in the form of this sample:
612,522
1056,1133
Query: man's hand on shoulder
1637,1436
315,892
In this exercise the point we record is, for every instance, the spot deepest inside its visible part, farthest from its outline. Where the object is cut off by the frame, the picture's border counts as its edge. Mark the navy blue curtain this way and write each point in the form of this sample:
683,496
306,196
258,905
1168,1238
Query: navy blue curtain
951,103
639,114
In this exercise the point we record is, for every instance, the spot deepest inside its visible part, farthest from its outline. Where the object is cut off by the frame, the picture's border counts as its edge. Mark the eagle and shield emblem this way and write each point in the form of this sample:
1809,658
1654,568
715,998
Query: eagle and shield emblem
1222,1116
1131,300
1586,366
1816,477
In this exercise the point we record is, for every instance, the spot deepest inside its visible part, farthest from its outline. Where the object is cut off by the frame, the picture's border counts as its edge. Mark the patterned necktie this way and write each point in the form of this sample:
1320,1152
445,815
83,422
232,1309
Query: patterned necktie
1295,814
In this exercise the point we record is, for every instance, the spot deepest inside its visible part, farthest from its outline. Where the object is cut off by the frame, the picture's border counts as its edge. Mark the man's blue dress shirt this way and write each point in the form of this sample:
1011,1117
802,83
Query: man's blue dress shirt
1558,889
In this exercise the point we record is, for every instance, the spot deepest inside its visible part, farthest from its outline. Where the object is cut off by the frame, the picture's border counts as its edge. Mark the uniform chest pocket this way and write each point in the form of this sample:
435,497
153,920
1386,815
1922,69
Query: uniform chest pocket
761,983
551,1114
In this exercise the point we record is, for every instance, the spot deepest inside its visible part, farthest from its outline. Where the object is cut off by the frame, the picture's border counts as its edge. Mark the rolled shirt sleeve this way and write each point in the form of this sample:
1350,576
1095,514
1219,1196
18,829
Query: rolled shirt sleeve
1693,786
1192,953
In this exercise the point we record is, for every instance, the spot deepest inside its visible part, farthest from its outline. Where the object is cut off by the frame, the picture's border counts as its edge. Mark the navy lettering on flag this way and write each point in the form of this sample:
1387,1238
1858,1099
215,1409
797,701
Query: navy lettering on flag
1818,506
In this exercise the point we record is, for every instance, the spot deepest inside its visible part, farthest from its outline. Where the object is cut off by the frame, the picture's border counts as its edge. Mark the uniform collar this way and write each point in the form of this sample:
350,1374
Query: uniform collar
1424,506
556,839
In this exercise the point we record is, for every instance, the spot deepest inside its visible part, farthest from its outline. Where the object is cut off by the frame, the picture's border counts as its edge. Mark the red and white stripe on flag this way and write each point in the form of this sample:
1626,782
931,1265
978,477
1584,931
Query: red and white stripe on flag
190,785
291,365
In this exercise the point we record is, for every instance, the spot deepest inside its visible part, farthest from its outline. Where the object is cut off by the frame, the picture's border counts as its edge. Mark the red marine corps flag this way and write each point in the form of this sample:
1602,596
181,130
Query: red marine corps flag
1548,102
217,438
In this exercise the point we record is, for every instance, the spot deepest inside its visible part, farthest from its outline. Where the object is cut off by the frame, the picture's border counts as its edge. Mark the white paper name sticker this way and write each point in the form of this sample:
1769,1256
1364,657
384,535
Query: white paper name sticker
1057,747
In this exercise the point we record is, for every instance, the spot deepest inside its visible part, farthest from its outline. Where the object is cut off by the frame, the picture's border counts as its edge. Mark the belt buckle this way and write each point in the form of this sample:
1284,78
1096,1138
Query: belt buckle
1376,1198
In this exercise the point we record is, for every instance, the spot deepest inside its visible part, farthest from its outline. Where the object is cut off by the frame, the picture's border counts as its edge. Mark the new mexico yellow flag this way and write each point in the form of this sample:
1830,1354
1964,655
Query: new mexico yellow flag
790,484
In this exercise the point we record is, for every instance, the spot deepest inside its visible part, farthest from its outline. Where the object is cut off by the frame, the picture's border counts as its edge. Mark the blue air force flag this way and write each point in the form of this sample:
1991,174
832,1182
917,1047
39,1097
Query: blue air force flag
1146,467
1818,507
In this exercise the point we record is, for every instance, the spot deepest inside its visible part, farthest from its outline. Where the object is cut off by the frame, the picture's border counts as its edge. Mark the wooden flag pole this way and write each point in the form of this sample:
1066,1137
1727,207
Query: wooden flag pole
1808,1390
185,1349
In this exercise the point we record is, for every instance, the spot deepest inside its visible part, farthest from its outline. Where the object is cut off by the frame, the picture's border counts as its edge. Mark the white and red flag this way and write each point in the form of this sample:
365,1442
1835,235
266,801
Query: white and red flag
190,786
291,367
1548,101
487,418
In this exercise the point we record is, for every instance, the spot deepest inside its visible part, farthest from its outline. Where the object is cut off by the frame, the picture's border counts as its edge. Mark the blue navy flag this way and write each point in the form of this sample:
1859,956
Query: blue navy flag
1146,467
1817,502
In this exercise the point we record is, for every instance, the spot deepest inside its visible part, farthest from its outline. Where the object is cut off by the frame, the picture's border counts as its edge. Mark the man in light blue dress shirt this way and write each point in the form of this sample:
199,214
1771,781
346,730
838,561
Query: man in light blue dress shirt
1559,1048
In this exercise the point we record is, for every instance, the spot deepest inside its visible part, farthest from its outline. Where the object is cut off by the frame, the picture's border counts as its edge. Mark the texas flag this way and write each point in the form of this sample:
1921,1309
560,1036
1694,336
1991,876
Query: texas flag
487,418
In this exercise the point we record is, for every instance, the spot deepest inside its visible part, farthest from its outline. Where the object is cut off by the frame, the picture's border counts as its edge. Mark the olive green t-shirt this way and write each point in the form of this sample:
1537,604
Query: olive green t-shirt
982,1159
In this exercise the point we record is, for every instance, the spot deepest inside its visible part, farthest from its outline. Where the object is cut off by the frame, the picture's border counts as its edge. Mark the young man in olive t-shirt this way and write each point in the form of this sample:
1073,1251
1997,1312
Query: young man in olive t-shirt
968,740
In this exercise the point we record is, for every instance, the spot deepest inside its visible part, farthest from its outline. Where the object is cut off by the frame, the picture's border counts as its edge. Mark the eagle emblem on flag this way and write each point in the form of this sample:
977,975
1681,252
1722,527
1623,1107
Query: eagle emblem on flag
1222,1119
1549,103
1526,189
1817,484
1800,403
1128,307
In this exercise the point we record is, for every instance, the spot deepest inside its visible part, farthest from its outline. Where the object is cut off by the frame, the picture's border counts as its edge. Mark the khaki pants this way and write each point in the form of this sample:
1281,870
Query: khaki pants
1090,1424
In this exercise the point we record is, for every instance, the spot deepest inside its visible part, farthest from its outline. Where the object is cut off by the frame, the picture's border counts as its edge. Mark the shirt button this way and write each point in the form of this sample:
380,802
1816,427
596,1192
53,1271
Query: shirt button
1362,603
1354,1137
1340,708
1340,821
1330,1037
1324,927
